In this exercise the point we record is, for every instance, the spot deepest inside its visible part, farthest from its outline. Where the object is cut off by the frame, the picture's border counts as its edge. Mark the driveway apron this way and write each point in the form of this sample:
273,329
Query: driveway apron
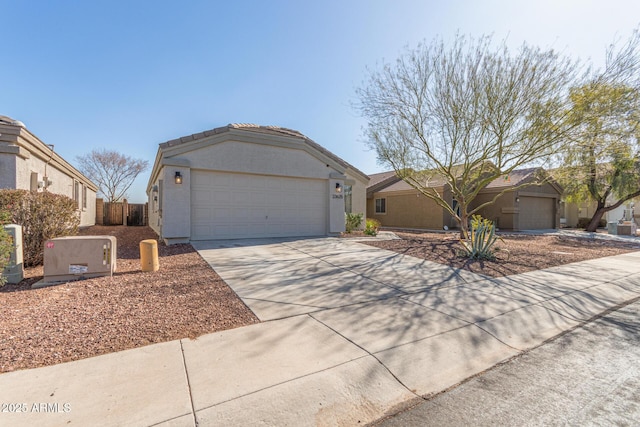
278,278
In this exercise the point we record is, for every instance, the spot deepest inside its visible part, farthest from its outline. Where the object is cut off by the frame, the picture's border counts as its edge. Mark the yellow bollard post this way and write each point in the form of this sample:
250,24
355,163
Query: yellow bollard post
149,255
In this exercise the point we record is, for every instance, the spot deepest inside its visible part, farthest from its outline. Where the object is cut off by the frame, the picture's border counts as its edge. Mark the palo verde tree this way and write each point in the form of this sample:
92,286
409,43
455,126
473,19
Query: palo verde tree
602,161
113,172
462,115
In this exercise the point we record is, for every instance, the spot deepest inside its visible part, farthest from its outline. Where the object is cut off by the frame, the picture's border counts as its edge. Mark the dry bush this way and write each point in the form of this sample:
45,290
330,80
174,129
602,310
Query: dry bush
42,216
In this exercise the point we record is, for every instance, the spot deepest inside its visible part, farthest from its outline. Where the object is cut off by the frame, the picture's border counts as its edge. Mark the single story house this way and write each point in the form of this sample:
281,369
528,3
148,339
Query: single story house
395,203
249,181
27,163
572,212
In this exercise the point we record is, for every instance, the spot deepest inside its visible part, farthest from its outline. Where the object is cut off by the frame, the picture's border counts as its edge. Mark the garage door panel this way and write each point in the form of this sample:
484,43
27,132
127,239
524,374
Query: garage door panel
202,214
537,213
227,205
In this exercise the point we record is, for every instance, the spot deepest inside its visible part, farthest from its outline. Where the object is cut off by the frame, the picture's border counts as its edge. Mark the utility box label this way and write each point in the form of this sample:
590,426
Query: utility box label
78,268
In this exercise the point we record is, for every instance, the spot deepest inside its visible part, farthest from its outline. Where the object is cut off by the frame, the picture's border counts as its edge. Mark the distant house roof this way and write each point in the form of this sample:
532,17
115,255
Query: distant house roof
514,178
268,130
380,181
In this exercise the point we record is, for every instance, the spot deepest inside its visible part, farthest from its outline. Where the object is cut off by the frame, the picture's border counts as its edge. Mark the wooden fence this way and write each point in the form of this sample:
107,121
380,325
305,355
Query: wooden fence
121,213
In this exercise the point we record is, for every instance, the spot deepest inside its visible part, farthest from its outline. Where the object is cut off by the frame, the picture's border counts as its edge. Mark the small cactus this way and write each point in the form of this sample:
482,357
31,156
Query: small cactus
481,239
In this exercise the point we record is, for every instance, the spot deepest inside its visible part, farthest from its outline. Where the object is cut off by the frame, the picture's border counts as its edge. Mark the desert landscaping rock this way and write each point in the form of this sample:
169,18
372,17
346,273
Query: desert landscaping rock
516,253
76,320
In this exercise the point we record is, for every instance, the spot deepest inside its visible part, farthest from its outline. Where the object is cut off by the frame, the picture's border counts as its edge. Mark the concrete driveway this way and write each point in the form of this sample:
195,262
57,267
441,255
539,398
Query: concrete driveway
279,278
349,334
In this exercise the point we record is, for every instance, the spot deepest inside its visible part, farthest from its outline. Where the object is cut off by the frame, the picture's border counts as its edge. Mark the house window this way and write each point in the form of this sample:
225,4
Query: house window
455,206
76,193
34,181
381,206
84,197
347,199
160,194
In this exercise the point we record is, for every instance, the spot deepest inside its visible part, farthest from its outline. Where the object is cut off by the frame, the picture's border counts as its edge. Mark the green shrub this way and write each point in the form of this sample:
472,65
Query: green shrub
42,216
353,221
584,222
371,227
5,244
482,237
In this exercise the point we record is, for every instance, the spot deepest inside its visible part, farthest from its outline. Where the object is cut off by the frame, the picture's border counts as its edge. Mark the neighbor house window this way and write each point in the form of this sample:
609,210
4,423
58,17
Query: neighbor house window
381,206
76,193
84,197
34,181
455,206
347,199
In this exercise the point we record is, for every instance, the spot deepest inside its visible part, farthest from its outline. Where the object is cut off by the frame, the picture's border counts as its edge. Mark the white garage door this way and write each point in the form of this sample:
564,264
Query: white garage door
232,206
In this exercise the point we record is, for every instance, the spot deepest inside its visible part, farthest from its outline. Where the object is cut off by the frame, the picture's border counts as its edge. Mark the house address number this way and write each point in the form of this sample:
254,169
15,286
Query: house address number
337,196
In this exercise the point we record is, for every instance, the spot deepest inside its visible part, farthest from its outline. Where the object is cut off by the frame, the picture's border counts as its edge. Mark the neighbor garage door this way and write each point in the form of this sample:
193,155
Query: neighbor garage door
537,213
231,206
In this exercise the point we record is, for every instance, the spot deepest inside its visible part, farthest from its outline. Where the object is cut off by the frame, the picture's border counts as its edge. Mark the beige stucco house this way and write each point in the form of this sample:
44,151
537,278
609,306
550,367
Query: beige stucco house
395,203
249,181
27,163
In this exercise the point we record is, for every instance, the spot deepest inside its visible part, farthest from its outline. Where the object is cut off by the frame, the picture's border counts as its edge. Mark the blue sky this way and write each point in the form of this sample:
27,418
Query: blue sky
128,75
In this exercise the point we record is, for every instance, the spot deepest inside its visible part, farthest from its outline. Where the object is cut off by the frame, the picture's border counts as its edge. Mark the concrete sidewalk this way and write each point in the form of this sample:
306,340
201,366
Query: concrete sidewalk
350,333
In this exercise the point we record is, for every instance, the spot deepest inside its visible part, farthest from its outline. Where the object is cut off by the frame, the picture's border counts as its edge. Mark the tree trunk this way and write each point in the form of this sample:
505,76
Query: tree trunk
595,219
464,220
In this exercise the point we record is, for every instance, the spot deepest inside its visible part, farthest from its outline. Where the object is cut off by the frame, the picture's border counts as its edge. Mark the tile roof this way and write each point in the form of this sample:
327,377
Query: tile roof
514,178
268,130
376,178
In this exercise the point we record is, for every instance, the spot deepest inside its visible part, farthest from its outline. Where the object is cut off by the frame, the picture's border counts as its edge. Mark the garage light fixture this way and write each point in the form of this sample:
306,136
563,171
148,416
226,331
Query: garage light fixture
517,199
178,177
338,188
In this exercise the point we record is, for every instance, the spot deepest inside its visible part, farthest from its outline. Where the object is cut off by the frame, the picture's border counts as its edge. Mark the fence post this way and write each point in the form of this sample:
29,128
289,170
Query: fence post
100,211
125,212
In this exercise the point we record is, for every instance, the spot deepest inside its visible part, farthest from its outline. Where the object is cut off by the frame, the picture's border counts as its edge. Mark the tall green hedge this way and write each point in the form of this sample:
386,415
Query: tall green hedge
42,216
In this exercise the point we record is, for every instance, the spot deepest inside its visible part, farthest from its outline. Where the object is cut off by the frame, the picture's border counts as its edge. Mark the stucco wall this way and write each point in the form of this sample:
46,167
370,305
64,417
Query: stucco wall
358,195
17,175
170,216
176,205
234,156
8,170
155,219
502,212
408,210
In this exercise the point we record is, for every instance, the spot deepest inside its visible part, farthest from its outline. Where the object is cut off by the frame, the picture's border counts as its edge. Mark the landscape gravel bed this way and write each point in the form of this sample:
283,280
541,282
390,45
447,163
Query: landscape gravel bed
85,318
515,253
186,298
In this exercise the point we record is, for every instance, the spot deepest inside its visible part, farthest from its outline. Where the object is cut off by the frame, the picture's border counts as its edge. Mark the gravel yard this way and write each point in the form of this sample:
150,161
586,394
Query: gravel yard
517,253
75,320
186,298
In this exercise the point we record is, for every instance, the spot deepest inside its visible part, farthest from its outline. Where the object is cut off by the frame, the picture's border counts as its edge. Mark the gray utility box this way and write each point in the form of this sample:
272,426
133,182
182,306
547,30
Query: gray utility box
14,272
79,257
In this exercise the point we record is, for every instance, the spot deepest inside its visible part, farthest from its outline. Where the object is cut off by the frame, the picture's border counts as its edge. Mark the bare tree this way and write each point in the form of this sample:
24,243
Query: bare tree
463,115
602,162
113,172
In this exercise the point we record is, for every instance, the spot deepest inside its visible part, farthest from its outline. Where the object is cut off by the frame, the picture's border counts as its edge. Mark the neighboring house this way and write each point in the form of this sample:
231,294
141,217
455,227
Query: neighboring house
395,203
27,163
571,212
248,181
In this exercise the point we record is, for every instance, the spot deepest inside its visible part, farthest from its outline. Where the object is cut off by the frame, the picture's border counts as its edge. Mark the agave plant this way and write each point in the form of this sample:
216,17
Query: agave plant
482,237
